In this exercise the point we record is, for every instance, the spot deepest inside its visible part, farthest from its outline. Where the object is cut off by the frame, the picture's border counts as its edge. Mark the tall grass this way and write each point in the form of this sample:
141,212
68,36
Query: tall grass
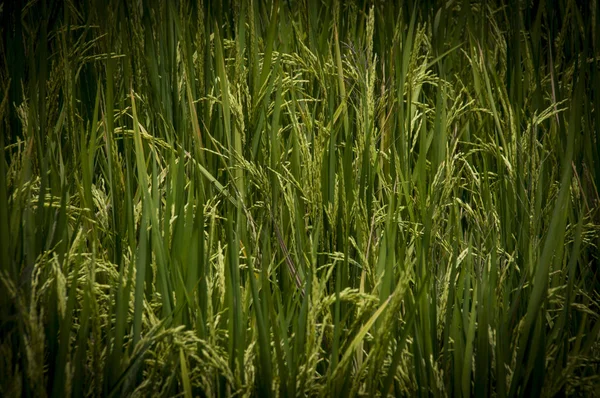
298,198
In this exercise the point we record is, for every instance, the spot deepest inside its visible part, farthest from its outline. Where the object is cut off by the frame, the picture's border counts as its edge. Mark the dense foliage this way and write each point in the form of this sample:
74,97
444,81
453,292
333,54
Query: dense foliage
299,198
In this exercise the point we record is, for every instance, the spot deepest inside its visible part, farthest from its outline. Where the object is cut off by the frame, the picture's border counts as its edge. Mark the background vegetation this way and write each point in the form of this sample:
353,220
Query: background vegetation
299,198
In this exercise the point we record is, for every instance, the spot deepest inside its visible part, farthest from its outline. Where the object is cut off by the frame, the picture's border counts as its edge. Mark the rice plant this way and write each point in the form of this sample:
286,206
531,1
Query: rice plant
299,198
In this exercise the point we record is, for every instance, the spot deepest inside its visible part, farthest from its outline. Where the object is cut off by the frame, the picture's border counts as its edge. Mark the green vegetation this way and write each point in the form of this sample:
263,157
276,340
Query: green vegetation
291,199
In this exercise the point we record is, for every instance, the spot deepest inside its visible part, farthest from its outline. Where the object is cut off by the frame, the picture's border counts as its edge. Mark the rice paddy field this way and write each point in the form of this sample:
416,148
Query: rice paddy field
299,198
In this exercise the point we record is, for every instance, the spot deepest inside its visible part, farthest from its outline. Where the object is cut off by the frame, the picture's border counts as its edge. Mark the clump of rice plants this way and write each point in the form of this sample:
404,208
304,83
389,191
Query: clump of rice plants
294,198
